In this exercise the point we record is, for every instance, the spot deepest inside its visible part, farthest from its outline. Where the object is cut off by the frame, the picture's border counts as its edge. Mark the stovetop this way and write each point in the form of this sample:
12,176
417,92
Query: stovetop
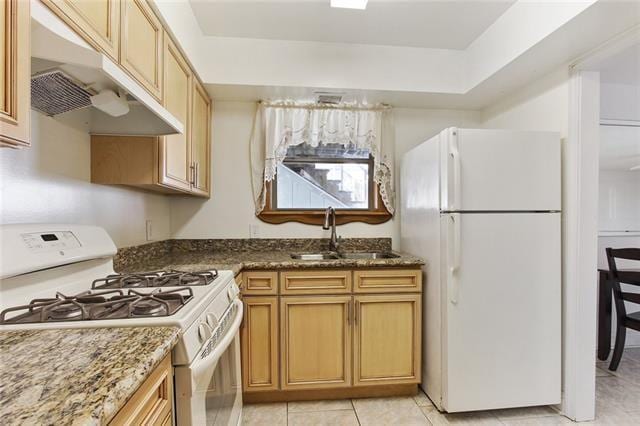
170,278
100,305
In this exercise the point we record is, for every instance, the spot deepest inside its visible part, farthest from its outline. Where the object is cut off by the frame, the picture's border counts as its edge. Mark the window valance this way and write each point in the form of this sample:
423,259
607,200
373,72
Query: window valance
280,125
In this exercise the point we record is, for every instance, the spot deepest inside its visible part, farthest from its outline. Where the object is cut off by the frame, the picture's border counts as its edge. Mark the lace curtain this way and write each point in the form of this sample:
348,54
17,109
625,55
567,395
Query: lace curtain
277,126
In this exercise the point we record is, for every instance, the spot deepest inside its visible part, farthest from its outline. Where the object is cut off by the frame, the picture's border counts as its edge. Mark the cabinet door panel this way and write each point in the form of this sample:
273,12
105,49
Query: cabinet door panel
141,44
260,344
97,21
260,282
315,282
315,342
175,150
387,339
200,140
388,281
14,73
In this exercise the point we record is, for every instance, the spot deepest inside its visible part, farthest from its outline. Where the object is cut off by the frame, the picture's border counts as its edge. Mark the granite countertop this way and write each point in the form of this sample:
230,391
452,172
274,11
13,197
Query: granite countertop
76,376
237,261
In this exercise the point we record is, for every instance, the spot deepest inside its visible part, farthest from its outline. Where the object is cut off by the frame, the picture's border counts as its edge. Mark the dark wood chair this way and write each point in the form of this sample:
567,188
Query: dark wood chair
624,320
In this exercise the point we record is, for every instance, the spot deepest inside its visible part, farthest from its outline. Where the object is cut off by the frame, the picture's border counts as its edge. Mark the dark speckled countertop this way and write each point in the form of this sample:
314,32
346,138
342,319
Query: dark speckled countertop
238,255
76,376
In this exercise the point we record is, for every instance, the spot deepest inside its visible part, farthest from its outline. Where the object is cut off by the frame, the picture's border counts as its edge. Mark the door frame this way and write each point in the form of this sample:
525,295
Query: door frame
580,229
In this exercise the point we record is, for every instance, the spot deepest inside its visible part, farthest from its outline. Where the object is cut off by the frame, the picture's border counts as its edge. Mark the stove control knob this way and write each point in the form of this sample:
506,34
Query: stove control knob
212,320
204,331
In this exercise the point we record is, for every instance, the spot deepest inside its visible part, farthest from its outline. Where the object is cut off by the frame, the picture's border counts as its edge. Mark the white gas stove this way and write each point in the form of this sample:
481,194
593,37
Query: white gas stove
61,276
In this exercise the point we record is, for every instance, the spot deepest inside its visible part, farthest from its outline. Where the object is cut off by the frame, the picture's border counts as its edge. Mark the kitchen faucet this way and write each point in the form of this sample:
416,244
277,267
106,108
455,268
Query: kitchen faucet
334,243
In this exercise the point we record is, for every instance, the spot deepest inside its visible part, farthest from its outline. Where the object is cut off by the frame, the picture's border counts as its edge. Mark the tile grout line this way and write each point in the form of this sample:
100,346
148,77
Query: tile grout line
353,406
420,408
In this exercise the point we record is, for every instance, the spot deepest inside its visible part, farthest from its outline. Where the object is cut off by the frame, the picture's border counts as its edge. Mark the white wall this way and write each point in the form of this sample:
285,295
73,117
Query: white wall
619,200
230,211
541,105
619,101
50,182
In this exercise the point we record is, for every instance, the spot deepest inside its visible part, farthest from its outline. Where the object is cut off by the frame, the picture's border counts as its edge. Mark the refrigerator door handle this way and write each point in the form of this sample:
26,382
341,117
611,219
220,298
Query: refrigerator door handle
454,196
454,264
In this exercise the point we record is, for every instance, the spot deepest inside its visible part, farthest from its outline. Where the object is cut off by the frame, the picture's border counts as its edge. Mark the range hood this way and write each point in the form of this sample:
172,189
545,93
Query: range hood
68,73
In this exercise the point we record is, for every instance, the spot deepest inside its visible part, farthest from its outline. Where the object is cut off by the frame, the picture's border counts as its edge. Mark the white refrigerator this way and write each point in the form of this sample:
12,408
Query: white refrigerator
482,207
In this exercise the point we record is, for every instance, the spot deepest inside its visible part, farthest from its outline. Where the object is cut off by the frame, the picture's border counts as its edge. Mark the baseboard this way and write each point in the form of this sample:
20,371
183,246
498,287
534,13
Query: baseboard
339,393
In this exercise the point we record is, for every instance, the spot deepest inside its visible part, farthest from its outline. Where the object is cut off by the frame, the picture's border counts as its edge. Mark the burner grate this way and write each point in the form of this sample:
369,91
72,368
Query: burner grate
96,305
170,278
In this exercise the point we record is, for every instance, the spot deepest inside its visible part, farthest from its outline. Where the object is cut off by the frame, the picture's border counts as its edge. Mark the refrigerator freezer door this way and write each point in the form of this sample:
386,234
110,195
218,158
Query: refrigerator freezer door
501,314
500,170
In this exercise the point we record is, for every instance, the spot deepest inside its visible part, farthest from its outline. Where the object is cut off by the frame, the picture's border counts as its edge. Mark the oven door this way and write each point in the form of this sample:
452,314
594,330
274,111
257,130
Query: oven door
209,390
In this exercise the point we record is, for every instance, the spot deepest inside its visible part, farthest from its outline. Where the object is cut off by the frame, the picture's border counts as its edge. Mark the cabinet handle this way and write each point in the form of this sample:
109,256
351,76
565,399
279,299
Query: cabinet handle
355,312
349,312
192,169
197,179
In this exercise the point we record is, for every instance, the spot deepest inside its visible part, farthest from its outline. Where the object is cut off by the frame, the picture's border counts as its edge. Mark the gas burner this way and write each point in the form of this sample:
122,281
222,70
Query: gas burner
94,305
170,278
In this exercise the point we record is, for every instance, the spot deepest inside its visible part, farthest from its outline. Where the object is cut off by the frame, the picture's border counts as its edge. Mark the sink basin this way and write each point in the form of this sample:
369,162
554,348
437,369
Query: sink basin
315,256
370,255
335,256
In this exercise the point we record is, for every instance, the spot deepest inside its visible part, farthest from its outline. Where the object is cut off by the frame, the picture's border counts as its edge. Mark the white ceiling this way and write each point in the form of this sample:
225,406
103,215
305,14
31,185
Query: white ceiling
444,24
623,67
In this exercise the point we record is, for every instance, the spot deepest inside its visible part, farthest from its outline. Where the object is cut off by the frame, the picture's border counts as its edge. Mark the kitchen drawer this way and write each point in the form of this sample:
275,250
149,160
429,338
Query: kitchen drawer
258,283
388,281
152,404
315,282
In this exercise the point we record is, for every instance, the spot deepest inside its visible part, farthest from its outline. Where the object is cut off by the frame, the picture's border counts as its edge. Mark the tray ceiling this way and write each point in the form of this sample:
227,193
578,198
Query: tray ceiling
415,23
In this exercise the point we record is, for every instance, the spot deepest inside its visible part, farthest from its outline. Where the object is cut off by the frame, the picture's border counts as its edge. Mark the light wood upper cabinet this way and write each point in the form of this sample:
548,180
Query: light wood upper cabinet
315,342
200,140
141,44
387,339
15,70
97,21
259,336
175,150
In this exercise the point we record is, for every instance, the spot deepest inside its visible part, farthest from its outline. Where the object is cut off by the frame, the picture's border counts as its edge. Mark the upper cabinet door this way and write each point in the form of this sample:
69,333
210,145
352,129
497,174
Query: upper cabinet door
98,21
141,44
200,140
14,72
175,152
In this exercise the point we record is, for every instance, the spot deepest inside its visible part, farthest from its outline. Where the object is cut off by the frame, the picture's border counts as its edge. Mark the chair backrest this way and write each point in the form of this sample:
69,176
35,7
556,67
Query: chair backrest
627,277
623,276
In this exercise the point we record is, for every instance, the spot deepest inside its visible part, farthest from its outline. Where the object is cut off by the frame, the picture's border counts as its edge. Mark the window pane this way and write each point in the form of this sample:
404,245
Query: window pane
328,151
318,185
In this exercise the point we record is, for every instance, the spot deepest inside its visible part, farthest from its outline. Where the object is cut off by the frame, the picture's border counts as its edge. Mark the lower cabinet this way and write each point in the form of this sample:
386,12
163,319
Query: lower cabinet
259,340
387,337
315,345
321,341
152,404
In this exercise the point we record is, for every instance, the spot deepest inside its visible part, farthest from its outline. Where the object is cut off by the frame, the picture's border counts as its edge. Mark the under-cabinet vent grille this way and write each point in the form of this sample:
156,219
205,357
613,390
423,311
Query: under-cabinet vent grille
54,92
329,99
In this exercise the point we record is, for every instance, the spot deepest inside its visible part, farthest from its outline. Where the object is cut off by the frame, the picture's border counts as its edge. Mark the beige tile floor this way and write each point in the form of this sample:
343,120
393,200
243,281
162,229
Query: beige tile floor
617,403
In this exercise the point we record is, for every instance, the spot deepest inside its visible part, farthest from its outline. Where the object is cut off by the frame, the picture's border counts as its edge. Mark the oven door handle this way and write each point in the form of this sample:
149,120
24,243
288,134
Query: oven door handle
204,363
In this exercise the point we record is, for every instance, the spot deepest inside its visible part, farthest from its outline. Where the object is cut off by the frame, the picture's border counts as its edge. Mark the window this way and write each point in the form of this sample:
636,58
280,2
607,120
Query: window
310,179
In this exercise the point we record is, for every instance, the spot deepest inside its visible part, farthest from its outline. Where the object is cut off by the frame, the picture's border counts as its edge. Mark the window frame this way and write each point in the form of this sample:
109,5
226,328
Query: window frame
376,213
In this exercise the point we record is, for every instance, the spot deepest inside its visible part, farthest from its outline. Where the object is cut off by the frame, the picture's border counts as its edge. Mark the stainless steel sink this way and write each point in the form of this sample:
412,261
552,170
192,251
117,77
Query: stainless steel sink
336,256
315,256
370,255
